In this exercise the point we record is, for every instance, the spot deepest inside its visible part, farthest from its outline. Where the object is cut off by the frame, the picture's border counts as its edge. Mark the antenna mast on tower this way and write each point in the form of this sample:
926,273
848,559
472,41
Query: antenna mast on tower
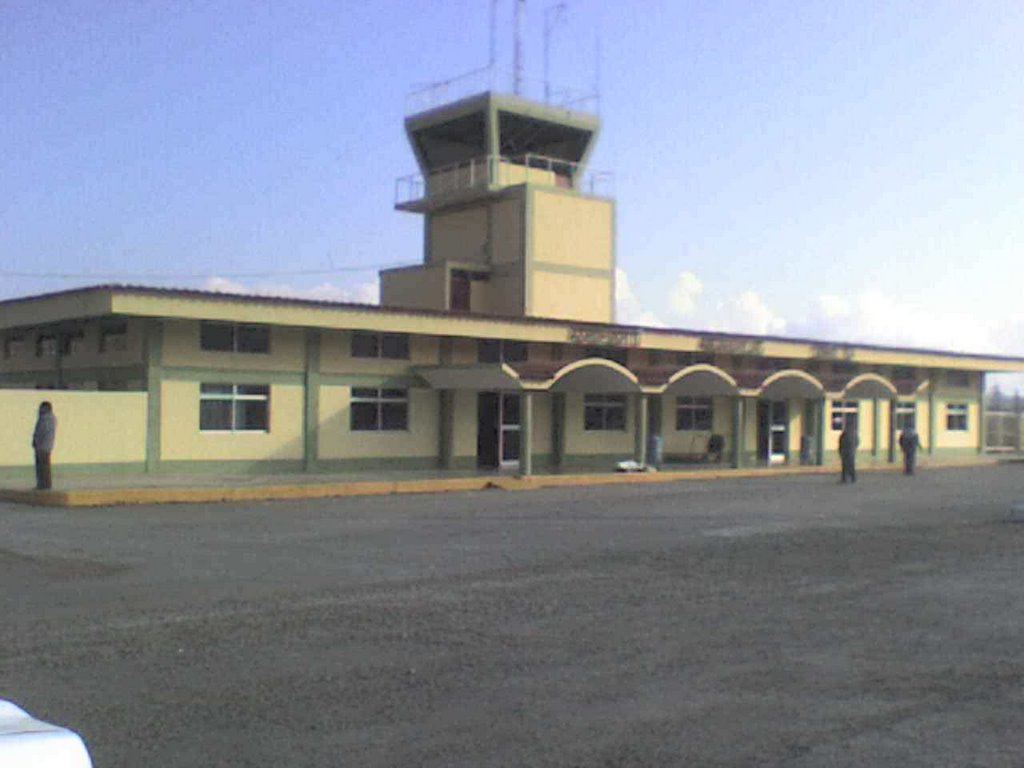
517,66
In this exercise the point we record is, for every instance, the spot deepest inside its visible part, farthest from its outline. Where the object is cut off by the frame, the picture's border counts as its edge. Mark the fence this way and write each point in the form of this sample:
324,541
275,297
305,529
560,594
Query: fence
1003,430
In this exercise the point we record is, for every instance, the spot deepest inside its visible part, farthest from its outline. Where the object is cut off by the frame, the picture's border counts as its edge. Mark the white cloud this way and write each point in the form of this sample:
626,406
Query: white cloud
367,292
877,318
628,309
685,293
747,313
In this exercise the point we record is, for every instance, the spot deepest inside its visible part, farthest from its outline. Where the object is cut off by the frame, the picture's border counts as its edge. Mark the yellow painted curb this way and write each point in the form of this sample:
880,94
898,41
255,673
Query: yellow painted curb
104,497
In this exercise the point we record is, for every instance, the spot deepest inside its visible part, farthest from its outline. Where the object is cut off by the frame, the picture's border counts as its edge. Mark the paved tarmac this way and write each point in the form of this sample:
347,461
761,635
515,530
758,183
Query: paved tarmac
762,621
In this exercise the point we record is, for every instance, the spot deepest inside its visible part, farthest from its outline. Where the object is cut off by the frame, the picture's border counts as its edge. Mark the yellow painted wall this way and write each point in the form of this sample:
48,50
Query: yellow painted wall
573,297
181,348
579,442
92,427
507,217
338,441
956,439
571,230
542,404
465,423
336,356
692,442
180,438
459,235
415,288
510,174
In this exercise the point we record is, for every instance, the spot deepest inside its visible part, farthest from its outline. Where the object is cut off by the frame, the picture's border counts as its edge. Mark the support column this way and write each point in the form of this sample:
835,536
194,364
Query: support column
640,429
558,428
933,417
892,431
737,432
526,434
154,377
982,426
876,427
446,428
822,420
311,401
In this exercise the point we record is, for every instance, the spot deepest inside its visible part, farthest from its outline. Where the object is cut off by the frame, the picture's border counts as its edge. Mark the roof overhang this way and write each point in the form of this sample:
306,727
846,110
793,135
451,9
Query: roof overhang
484,377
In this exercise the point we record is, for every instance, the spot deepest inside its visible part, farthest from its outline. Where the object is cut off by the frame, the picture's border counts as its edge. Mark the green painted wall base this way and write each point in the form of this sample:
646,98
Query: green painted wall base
74,470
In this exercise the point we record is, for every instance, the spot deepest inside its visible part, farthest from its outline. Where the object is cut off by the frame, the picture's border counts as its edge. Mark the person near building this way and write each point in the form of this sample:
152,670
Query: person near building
42,442
910,442
848,442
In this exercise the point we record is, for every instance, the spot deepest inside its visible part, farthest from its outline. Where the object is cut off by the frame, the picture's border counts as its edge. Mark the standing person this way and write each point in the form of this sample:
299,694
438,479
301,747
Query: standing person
42,442
848,442
909,443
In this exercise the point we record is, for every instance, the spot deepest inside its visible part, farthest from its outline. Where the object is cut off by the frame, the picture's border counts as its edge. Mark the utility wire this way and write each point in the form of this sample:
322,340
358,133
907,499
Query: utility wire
189,275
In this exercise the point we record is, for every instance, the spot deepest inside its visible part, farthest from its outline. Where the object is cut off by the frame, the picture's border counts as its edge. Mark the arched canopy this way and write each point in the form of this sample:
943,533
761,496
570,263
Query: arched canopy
791,384
868,386
595,375
700,380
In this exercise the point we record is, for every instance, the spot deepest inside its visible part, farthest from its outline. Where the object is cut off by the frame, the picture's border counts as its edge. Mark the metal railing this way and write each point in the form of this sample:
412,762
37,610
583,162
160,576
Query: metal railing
432,95
497,171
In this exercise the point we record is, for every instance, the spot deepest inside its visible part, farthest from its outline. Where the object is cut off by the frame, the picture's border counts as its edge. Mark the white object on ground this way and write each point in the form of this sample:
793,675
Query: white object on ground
29,743
629,466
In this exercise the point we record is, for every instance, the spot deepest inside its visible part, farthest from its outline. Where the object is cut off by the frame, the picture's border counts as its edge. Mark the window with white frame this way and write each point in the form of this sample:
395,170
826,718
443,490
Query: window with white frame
906,415
956,417
693,414
14,347
389,346
72,343
113,338
234,337
379,410
46,345
604,412
843,412
234,408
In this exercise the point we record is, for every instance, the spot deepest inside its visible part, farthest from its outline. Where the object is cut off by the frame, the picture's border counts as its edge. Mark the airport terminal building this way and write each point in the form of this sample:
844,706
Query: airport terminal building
498,352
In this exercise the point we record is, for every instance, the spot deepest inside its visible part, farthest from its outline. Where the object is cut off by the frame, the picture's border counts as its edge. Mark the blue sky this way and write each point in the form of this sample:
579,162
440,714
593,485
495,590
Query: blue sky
853,170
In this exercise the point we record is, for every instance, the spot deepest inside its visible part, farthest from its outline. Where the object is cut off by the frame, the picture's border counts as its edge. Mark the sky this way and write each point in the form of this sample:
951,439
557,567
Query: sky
852,171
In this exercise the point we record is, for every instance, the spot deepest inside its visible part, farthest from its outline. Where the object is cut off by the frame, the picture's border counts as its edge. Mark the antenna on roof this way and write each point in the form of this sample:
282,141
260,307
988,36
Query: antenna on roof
517,65
494,36
552,15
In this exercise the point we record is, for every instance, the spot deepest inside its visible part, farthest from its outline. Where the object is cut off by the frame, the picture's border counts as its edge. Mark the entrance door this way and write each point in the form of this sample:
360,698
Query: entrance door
773,431
497,436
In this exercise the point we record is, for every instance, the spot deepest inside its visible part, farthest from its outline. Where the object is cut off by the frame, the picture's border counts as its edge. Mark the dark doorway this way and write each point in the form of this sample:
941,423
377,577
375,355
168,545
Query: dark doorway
773,431
498,430
488,424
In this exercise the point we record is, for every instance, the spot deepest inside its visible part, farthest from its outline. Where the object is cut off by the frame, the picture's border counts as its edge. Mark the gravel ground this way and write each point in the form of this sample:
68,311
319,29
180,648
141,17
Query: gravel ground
782,621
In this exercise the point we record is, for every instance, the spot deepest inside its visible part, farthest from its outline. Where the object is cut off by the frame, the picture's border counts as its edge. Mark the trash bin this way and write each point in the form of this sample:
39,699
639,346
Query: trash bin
654,451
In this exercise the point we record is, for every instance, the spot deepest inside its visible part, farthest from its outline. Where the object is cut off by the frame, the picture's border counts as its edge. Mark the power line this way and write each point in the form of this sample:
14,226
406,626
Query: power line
190,275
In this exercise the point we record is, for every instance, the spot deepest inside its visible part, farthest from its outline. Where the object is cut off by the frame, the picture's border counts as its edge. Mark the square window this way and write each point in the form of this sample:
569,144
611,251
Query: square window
216,337
394,346
254,339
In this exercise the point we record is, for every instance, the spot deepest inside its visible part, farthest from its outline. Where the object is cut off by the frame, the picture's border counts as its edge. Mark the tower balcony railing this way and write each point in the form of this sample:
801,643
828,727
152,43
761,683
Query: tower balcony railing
490,172
491,78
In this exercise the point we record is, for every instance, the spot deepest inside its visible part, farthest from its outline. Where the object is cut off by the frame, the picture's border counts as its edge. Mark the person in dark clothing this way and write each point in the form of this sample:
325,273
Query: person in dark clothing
909,443
848,442
42,442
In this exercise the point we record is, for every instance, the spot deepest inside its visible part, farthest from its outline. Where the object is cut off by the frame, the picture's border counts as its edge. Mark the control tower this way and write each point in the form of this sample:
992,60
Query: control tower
515,223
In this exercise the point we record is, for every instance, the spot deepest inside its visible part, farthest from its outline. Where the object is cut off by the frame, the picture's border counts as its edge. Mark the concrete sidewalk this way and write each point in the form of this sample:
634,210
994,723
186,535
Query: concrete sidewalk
157,488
